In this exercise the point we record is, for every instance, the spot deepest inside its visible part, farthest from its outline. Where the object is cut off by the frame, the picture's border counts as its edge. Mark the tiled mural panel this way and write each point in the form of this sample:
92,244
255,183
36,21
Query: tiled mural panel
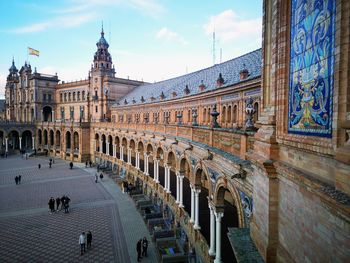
311,67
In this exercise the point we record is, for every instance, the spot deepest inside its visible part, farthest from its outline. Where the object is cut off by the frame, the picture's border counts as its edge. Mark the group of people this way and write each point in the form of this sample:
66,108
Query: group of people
86,164
63,201
85,240
141,248
18,179
96,177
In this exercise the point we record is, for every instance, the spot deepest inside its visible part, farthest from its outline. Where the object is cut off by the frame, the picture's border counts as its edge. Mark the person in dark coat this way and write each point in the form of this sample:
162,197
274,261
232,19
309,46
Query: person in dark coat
138,249
66,204
16,179
50,163
88,239
39,165
52,205
86,164
19,179
90,163
71,165
58,201
144,247
101,176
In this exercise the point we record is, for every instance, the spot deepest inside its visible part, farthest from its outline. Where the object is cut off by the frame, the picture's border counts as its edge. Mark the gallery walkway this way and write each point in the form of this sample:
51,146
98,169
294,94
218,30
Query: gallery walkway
29,233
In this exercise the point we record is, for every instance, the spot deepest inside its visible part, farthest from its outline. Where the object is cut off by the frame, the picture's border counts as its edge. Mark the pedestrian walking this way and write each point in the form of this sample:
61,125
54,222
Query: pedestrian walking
16,179
82,243
144,247
101,176
19,179
66,204
39,165
96,177
86,164
52,205
138,249
89,239
58,201
71,165
50,163
90,163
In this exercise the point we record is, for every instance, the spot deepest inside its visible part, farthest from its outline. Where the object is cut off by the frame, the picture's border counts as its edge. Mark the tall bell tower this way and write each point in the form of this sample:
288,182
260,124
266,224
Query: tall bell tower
102,69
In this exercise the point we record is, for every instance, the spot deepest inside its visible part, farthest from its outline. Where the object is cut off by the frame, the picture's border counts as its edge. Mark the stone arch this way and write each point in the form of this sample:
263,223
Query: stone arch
229,114
116,141
200,177
47,113
104,141
58,138
235,114
222,185
68,140
124,142
171,160
185,167
76,140
97,142
27,141
40,137
45,137
51,138
13,139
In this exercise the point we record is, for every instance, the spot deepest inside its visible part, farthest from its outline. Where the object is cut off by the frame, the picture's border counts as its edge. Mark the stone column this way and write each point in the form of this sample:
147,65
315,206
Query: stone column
196,217
107,148
129,156
20,143
145,164
218,216
168,178
33,142
181,178
137,160
6,144
53,116
101,146
165,178
122,153
177,187
114,150
212,231
192,204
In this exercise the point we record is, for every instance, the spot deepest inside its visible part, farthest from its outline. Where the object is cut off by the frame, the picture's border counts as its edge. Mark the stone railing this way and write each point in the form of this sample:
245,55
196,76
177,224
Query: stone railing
234,141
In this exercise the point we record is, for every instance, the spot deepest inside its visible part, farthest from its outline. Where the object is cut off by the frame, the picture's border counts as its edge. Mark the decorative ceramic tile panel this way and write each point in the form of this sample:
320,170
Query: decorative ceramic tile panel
311,67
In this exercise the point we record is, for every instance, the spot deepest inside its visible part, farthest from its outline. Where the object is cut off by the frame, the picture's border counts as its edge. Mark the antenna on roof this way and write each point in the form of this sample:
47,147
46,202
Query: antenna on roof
220,55
214,47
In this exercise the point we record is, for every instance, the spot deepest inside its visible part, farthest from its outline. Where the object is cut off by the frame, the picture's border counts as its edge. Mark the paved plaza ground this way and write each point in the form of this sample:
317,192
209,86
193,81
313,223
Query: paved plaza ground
29,233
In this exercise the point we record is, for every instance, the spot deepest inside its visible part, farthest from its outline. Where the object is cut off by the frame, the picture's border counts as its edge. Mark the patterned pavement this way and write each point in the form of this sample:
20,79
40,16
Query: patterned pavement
29,233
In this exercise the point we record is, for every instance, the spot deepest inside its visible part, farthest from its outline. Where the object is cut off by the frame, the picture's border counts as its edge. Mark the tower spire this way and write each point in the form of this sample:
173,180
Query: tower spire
102,32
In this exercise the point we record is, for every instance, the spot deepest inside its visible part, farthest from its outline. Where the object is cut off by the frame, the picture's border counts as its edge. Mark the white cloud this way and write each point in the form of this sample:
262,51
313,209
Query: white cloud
229,26
167,34
148,7
59,22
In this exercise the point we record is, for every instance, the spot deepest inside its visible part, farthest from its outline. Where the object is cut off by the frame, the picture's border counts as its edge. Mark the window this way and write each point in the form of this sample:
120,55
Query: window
44,97
49,97
73,96
83,95
96,109
78,95
61,97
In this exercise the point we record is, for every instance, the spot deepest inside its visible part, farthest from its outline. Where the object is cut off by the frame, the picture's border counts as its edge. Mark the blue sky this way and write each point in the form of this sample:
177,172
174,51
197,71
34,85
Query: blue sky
150,40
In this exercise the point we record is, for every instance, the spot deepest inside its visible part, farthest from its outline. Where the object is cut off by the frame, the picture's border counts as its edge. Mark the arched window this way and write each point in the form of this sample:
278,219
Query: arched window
78,95
223,116
83,95
234,114
73,96
229,114
204,115
208,117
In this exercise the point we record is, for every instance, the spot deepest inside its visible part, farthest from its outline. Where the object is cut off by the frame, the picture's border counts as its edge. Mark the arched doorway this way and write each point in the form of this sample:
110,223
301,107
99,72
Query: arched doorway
51,138
58,138
171,162
103,143
140,150
27,141
150,164
76,141
133,157
45,137
97,142
117,146
47,113
125,145
68,140
185,170
110,145
13,140
160,156
230,219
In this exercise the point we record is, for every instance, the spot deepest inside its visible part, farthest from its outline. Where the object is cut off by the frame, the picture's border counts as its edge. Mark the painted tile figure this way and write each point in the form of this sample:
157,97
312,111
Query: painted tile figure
311,67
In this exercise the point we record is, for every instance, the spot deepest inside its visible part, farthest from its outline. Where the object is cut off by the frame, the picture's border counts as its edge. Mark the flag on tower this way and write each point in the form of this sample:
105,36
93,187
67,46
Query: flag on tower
32,51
